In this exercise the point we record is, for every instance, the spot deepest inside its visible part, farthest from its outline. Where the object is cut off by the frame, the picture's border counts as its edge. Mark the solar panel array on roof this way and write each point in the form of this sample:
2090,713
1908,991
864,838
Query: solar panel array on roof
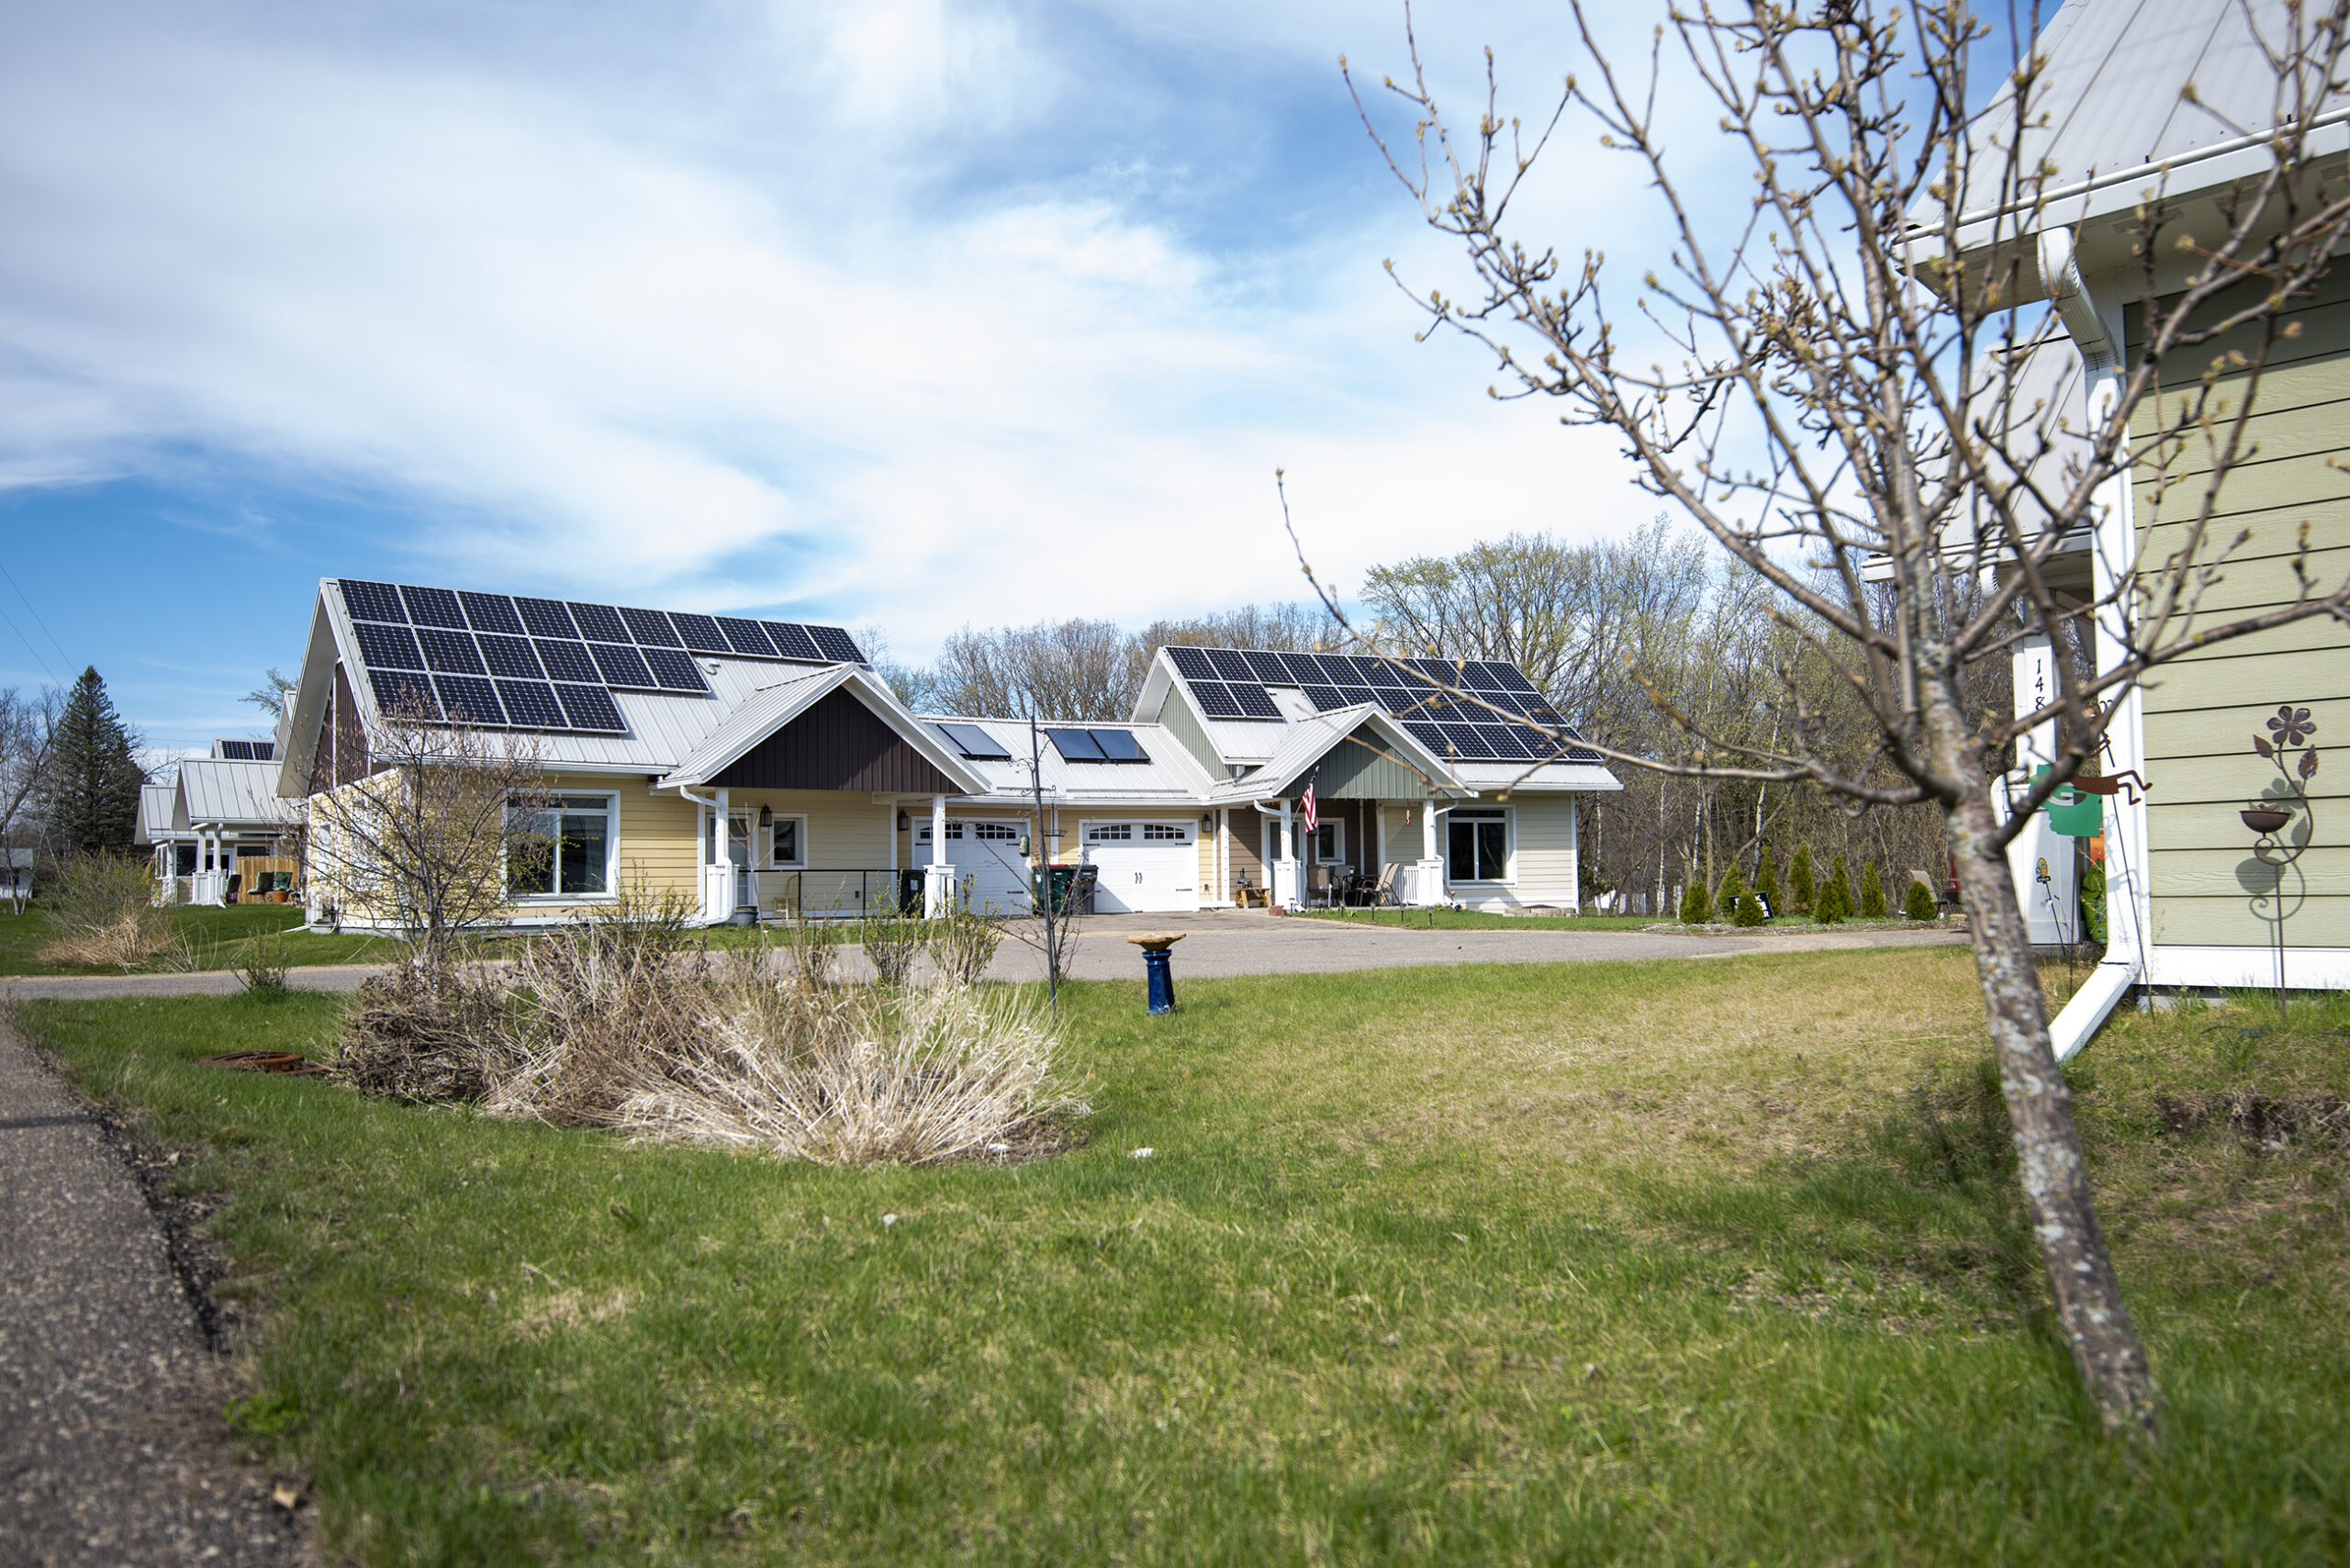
1097,745
548,664
975,743
246,751
1467,709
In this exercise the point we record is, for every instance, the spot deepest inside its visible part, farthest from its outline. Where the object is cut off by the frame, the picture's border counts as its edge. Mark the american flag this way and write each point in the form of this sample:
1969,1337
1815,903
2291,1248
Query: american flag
1312,817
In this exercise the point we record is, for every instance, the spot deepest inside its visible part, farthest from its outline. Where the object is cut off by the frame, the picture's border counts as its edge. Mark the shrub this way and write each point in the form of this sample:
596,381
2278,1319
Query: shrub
1696,908
1832,902
1750,909
1872,893
891,943
1733,889
1917,903
962,942
103,914
1799,885
2093,902
1766,882
261,964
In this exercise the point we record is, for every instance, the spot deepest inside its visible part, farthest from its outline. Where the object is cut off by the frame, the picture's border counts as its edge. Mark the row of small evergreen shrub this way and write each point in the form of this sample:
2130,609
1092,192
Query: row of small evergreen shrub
1829,899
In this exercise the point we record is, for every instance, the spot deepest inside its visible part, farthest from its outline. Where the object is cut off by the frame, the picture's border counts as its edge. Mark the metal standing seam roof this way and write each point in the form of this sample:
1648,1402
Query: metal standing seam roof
1172,774
156,802
231,793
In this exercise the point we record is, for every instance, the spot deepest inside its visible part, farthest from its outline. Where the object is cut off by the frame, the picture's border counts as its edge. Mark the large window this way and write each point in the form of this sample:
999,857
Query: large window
563,852
1477,845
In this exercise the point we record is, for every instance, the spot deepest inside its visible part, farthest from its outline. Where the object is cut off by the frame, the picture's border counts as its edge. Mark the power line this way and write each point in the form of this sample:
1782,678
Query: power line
37,620
28,642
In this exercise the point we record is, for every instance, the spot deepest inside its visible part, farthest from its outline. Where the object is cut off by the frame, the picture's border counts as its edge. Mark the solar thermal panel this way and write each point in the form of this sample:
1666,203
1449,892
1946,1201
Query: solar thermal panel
650,627
400,695
372,601
450,651
792,641
1120,745
620,664
1229,665
700,633
433,607
510,657
491,612
598,622
546,618
387,647
469,700
236,751
836,645
1268,669
747,638
590,707
673,670
975,743
1254,701
1215,698
531,705
1324,697
566,660
1191,664
1075,745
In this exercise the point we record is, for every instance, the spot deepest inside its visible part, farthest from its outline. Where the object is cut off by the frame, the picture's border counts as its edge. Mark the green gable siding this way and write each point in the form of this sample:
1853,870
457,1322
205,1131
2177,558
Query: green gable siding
1354,769
1176,714
2204,710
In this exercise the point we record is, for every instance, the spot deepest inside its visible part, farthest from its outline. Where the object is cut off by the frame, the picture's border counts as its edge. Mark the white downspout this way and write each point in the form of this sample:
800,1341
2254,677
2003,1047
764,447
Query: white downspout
2112,563
702,872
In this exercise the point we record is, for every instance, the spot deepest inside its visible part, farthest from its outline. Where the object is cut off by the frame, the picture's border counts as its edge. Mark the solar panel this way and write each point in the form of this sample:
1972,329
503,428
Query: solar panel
836,645
1506,742
792,641
590,707
1305,669
1493,677
1217,699
598,622
509,658
1513,679
620,664
673,670
747,638
1427,734
491,612
401,695
1468,741
1075,745
566,660
1382,672
975,743
650,627
1354,694
469,700
372,601
1229,665
387,647
1324,697
1254,701
1119,745
433,607
236,751
450,651
1191,664
546,618
531,704
700,633
1268,669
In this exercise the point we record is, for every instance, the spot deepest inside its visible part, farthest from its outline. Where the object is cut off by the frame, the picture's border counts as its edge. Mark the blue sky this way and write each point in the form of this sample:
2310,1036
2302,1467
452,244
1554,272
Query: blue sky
904,312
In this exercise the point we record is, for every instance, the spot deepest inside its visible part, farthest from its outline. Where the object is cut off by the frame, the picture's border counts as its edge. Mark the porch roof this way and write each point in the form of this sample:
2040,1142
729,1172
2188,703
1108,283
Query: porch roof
1170,773
775,707
1305,742
234,794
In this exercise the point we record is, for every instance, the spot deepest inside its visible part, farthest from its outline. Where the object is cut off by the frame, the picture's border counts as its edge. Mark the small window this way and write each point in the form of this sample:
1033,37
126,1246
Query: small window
791,838
999,833
1110,832
1176,832
1477,846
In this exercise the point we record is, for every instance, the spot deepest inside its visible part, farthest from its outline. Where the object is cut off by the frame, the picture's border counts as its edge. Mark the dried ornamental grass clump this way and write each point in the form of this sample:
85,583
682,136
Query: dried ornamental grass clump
103,914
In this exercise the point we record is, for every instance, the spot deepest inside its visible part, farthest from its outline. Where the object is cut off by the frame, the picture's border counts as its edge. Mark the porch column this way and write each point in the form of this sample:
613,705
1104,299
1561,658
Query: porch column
938,883
1428,884
722,896
1285,868
1224,855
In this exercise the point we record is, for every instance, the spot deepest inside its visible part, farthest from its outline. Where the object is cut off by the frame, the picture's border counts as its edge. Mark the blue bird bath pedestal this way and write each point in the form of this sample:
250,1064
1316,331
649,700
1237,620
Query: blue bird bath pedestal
1157,970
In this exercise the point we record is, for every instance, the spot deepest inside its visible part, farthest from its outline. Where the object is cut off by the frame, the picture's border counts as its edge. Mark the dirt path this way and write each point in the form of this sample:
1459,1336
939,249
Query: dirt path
112,1448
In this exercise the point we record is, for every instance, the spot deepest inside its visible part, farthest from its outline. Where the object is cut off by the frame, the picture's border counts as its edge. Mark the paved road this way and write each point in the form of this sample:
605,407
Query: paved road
1216,944
112,1449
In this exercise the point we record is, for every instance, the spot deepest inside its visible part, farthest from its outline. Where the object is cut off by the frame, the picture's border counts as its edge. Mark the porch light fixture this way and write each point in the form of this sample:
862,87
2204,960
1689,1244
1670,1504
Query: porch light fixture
902,822
1207,819
767,816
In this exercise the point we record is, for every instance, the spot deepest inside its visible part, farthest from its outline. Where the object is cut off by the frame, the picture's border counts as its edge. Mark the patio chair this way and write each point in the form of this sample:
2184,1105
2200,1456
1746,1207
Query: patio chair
1320,884
1384,894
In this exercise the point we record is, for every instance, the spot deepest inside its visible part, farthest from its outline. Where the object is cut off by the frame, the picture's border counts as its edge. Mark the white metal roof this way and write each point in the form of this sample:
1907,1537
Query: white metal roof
156,802
231,793
1171,774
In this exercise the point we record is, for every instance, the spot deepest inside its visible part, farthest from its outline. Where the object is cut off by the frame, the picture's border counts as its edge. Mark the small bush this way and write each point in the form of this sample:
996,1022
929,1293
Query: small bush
1799,884
1766,882
1750,909
891,943
1872,893
103,914
1832,902
261,965
1917,903
1733,889
962,944
1696,907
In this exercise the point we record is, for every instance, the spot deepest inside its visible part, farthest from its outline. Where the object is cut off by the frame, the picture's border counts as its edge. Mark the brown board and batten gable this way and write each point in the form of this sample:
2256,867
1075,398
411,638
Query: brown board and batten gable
838,743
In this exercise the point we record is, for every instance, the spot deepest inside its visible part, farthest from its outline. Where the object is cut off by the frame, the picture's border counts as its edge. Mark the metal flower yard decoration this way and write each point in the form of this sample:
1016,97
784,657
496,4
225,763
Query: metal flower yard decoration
2268,816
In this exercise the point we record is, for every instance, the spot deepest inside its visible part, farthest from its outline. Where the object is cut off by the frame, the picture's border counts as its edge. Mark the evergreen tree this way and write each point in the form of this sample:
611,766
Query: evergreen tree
1832,901
1696,908
1733,889
1800,886
1872,893
1919,903
1766,884
1750,909
92,798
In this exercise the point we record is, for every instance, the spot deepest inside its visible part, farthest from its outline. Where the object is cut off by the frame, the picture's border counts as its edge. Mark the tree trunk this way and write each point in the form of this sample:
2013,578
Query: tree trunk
2056,1183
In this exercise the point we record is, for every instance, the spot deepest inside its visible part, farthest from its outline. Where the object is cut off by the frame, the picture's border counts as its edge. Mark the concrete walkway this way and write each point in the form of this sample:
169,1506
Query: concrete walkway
112,1448
1218,944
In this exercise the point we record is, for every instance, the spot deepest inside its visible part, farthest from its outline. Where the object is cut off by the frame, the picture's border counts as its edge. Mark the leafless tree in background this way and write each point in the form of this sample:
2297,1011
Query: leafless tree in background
1822,410
28,725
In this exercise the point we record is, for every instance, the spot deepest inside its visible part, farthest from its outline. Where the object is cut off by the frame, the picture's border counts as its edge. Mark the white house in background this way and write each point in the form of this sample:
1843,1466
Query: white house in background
221,813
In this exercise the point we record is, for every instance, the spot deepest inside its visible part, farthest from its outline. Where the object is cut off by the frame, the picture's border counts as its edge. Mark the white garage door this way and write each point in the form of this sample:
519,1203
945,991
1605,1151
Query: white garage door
1147,867
985,858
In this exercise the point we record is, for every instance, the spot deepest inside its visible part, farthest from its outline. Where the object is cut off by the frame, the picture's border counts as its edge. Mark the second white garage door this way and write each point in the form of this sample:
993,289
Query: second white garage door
1145,867
985,858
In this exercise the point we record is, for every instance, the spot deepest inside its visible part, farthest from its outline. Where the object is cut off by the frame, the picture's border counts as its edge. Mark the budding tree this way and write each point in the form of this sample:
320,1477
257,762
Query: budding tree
1845,396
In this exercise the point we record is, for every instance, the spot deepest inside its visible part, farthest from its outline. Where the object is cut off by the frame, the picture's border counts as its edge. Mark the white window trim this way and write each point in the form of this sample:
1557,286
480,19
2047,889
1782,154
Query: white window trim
611,856
800,865
1337,831
1509,843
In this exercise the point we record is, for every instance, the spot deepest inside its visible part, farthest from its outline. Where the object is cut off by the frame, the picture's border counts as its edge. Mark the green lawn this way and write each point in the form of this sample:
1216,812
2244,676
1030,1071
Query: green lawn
1478,920
1679,1262
214,936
